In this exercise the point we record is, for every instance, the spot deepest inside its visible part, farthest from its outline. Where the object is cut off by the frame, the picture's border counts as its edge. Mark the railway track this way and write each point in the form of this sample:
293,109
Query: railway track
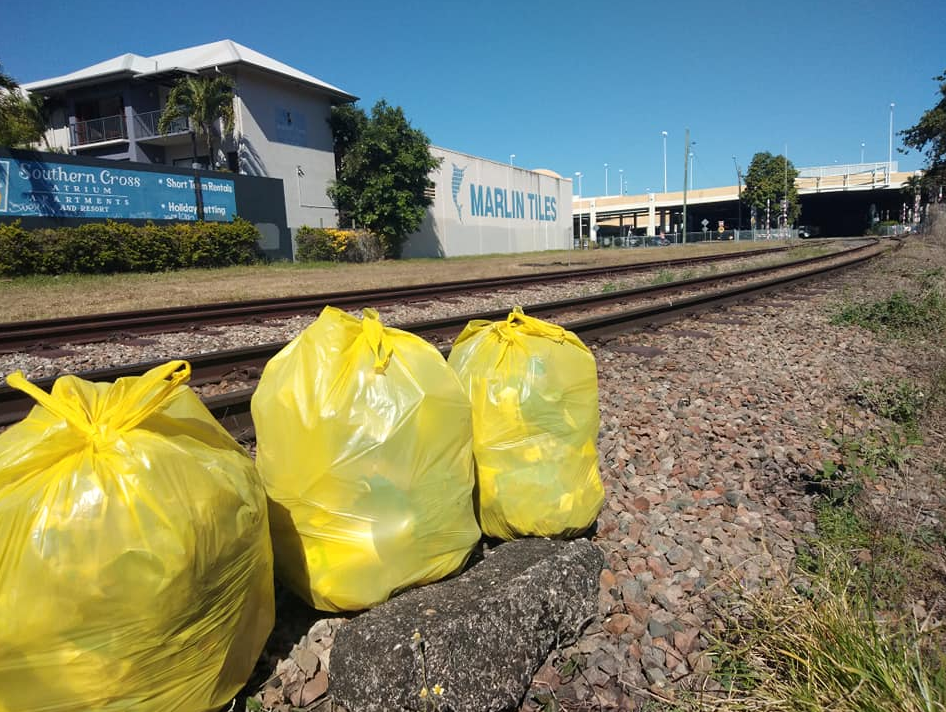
46,333
243,366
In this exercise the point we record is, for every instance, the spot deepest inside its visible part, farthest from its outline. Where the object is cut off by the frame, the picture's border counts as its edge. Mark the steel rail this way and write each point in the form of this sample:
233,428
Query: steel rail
233,409
244,364
23,335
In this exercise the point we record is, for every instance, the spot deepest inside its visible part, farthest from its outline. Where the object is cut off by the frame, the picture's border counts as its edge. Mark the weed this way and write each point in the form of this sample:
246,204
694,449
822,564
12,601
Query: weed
664,276
937,395
571,667
898,315
430,695
898,400
801,253
609,287
827,649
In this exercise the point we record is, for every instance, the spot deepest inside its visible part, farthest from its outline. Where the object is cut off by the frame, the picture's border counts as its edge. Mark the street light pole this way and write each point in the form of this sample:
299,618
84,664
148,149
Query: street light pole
605,178
664,133
686,161
738,193
862,152
620,181
890,147
512,157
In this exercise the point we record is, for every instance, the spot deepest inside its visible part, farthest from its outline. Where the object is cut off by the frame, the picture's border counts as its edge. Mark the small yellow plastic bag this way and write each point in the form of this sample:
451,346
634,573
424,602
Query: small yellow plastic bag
534,390
364,443
135,561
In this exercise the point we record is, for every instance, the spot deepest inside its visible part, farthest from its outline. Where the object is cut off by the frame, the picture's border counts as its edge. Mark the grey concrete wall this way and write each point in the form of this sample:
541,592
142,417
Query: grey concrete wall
482,207
285,134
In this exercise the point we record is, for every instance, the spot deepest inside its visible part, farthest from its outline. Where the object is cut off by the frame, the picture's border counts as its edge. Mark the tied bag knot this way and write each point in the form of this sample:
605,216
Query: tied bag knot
148,393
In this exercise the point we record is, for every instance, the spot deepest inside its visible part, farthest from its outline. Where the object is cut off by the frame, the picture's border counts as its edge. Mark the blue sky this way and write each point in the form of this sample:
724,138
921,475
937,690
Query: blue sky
566,86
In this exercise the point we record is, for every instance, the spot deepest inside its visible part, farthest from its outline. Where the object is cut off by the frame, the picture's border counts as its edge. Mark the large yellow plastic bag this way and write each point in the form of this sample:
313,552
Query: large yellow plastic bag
364,443
135,561
534,390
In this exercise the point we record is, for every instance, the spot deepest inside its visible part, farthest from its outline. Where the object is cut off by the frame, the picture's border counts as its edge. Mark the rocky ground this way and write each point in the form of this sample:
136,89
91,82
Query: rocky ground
710,431
710,428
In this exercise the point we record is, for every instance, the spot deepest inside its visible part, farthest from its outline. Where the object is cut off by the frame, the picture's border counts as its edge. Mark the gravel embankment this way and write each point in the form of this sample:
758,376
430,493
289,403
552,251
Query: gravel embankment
708,427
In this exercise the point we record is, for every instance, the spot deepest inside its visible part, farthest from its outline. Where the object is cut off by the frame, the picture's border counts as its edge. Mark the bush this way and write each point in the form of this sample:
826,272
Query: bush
19,254
152,249
315,244
95,248
109,247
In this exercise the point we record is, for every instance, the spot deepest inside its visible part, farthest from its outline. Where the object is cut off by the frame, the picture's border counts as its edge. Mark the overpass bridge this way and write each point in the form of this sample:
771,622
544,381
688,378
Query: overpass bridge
839,199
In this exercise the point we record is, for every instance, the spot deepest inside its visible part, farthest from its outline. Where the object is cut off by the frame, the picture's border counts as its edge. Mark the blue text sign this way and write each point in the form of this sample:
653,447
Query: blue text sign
50,189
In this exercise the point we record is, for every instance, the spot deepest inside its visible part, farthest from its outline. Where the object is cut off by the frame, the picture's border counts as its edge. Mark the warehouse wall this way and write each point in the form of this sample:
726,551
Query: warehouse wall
482,207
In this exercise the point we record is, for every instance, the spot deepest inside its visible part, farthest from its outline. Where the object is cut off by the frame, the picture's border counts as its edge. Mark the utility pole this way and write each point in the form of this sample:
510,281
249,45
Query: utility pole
664,133
198,192
785,201
890,147
686,161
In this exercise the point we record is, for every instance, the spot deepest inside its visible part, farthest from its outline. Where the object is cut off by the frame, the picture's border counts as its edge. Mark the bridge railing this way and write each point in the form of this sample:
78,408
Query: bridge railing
847,169
676,238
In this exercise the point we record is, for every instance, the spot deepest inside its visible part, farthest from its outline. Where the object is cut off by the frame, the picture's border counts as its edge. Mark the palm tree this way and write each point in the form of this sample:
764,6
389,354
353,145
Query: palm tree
7,82
24,117
203,101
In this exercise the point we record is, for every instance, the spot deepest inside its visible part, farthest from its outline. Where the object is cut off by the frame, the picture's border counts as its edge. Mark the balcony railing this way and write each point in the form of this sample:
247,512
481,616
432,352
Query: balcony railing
146,125
111,128
106,128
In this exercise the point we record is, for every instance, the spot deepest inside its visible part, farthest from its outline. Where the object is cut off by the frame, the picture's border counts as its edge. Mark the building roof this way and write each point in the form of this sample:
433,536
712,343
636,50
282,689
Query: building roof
189,60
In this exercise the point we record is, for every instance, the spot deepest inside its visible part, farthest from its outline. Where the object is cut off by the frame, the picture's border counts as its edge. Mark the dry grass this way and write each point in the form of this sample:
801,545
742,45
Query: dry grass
71,295
828,649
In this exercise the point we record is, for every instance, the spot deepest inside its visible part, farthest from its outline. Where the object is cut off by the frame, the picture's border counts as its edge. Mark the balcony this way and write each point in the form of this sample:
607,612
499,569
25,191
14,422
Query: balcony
110,129
146,125
104,129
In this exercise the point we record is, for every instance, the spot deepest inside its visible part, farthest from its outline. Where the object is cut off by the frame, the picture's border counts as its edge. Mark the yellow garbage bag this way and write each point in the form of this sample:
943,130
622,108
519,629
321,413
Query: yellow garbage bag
534,390
135,561
364,443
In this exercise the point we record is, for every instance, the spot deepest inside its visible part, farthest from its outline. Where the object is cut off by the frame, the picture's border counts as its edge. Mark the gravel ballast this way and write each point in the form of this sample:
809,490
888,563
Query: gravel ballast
710,429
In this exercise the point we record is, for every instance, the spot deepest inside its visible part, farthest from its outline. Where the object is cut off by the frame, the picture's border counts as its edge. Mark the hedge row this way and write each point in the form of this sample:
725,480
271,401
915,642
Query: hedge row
102,248
314,244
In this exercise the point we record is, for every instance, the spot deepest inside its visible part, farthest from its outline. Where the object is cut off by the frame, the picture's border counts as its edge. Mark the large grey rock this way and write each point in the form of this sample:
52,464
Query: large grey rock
481,636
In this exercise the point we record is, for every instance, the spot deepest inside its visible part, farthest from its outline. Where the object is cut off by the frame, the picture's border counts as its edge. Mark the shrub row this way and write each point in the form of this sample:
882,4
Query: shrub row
333,245
97,248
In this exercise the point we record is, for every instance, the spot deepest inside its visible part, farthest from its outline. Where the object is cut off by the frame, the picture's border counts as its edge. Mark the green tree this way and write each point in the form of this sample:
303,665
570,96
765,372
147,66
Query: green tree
23,119
7,82
383,184
348,123
765,182
929,136
204,101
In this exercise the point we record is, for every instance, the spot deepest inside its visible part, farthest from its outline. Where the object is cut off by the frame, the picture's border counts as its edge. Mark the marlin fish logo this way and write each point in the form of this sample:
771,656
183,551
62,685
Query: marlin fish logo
4,184
455,186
